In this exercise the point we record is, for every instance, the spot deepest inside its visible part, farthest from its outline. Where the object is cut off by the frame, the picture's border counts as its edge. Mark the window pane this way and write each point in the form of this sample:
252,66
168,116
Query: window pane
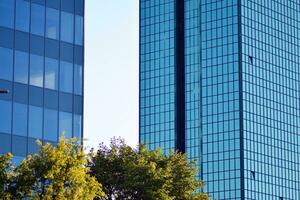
65,124
77,126
78,29
78,79
21,67
51,74
5,116
67,27
52,23
22,15
20,119
37,19
35,122
66,77
6,61
50,125
7,13
36,70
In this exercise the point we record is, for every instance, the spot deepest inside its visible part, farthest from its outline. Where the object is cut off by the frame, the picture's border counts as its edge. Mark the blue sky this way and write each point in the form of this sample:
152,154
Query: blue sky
111,71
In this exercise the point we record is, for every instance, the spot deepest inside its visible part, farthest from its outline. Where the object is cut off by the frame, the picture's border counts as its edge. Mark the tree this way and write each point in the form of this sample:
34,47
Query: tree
5,175
55,173
141,174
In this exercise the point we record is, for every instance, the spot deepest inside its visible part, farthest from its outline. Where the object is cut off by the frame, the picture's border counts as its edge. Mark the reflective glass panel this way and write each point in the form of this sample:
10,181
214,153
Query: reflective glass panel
35,125
66,77
67,27
51,74
52,23
77,126
78,29
22,15
20,119
21,67
6,61
65,124
50,124
5,116
78,79
36,70
7,13
37,19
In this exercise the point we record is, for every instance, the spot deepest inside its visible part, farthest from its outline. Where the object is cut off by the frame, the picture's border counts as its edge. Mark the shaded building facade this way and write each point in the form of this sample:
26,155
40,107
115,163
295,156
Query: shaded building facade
41,64
219,80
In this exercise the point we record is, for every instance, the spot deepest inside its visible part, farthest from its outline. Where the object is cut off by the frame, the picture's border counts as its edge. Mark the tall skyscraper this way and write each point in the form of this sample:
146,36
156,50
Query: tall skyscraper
41,64
220,80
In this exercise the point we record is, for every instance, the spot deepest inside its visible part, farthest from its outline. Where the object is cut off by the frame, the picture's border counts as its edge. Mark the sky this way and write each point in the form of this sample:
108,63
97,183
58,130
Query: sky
111,78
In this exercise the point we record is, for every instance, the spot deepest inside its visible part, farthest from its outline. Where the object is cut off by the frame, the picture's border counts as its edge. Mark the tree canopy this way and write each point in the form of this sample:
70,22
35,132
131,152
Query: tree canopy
141,174
58,172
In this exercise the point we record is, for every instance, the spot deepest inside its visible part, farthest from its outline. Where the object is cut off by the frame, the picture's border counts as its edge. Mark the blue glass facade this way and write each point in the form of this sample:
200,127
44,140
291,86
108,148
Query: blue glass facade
241,92
41,64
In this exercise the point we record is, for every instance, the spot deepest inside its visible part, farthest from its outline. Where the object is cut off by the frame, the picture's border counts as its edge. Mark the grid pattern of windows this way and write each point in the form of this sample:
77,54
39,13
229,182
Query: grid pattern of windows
220,99
157,74
41,55
271,76
192,82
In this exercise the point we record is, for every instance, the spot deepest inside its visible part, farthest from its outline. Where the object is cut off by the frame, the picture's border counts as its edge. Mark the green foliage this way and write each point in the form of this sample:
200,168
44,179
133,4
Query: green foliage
141,174
55,173
5,175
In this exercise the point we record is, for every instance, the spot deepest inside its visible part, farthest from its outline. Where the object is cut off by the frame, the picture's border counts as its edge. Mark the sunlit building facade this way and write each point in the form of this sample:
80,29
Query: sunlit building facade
41,64
220,81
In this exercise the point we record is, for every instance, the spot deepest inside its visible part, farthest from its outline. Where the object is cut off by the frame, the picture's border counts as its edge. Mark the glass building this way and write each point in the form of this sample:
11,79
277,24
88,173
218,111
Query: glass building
41,64
220,81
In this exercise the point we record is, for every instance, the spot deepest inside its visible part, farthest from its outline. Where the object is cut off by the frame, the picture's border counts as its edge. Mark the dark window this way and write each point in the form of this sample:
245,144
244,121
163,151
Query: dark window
67,5
35,96
19,145
52,48
65,102
37,45
6,37
79,6
53,4
22,41
5,142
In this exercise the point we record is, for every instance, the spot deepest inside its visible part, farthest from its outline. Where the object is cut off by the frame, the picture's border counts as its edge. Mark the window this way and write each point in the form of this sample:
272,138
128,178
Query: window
52,23
67,27
20,119
36,70
35,122
78,29
37,19
5,116
7,13
50,125
6,59
51,74
21,67
78,79
66,77
22,15
65,124
77,126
